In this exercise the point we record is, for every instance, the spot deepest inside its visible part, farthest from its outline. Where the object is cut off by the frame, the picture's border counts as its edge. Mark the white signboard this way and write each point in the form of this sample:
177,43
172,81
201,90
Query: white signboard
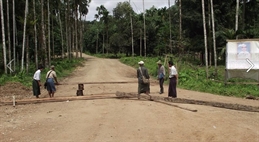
242,54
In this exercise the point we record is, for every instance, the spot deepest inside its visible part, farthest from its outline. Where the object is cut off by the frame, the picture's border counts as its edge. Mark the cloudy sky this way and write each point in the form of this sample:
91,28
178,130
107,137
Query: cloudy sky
137,5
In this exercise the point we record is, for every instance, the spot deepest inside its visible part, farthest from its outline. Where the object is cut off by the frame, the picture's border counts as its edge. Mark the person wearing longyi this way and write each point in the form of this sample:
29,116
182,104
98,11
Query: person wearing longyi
36,82
173,79
50,77
143,87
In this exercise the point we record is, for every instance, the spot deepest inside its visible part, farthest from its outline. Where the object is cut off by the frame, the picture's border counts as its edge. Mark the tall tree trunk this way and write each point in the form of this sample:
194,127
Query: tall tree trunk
243,14
132,37
69,31
27,54
97,36
81,35
45,58
76,31
3,35
180,22
214,38
140,42
237,11
209,35
107,41
24,33
170,27
52,33
145,40
61,32
35,37
49,51
14,33
8,33
205,39
73,38
103,42
66,32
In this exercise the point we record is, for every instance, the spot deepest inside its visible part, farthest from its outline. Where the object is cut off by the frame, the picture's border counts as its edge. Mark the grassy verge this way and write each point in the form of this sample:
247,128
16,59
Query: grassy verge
63,68
193,77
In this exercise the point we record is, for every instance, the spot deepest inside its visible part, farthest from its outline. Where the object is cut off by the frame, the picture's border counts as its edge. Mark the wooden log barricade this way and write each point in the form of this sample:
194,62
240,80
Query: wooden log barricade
239,107
80,91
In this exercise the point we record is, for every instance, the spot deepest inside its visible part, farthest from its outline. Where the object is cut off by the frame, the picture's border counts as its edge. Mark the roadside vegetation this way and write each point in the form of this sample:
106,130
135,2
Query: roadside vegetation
63,68
192,76
48,29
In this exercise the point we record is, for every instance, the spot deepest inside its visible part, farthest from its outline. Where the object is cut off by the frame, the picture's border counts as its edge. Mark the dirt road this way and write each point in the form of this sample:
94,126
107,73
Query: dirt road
124,120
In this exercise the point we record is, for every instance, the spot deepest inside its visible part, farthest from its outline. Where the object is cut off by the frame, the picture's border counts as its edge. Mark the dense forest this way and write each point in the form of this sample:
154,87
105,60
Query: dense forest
36,31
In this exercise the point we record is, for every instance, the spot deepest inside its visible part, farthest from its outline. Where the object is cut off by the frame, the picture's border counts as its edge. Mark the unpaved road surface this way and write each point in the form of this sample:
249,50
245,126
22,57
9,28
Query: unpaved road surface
124,120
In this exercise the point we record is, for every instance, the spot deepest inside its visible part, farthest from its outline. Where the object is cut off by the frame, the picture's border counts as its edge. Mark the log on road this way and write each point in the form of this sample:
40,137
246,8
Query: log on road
196,102
59,99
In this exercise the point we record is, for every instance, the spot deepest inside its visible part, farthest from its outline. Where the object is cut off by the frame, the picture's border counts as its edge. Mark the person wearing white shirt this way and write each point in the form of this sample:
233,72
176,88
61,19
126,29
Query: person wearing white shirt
173,77
36,82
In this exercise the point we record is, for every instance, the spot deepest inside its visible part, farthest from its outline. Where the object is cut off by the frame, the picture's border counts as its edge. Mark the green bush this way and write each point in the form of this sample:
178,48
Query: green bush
63,68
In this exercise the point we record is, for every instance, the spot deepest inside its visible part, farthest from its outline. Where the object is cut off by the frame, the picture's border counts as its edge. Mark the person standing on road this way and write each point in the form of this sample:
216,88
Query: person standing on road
36,82
173,79
50,77
160,76
143,87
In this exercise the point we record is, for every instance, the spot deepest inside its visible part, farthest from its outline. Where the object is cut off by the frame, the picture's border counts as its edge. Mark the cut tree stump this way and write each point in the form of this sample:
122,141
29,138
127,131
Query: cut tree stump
80,92
80,86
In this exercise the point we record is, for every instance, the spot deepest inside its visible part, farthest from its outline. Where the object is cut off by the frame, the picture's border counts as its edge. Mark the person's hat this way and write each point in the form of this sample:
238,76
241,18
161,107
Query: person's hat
52,66
141,63
159,62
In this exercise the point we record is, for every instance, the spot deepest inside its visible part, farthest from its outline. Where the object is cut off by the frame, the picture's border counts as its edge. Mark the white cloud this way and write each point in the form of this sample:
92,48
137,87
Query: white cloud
137,5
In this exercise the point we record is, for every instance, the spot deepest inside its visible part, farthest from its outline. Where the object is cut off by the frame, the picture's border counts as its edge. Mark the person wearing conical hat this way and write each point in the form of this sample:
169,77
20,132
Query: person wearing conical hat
143,87
160,76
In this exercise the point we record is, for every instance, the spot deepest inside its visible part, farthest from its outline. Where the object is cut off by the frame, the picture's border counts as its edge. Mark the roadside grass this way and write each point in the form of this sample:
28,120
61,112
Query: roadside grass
63,68
193,77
